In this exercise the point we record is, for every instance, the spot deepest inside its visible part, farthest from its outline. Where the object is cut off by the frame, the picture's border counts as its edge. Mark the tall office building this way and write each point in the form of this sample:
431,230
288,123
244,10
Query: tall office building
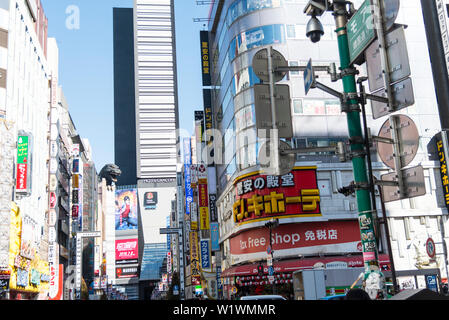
150,62
124,96
306,201
156,98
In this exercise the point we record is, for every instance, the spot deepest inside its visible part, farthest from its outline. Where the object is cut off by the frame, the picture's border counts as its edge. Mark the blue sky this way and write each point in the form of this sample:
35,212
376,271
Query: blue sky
86,66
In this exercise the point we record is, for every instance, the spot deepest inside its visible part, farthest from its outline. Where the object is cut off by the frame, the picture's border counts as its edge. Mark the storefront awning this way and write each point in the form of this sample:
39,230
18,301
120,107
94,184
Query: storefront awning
288,266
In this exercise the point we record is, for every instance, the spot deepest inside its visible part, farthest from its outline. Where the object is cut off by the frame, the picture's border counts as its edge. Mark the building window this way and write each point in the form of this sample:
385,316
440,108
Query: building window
317,107
291,31
297,106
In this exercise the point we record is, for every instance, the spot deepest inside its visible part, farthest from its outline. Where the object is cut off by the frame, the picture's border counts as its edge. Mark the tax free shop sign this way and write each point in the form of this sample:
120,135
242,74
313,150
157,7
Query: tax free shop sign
335,237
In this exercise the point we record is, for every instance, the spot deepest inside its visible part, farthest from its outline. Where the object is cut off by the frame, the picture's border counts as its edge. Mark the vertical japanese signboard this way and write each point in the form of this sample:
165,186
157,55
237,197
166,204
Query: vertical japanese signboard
441,8
23,182
442,153
213,207
194,258
188,188
193,216
214,236
205,254
203,204
205,58
209,126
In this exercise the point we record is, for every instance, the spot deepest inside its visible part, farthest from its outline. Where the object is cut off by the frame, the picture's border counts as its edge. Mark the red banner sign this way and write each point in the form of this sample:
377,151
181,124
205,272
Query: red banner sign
203,196
52,200
331,237
260,196
75,211
126,249
22,171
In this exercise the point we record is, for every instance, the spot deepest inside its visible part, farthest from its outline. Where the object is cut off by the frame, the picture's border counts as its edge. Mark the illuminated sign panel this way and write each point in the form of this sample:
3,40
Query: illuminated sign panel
23,164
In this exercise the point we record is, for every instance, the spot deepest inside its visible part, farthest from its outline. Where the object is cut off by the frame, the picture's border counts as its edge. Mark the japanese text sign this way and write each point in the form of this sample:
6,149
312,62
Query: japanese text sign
205,60
126,249
293,194
22,163
442,156
205,254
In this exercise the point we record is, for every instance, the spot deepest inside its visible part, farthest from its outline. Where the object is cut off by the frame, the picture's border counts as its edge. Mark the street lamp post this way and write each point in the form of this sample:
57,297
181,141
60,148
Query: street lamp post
374,279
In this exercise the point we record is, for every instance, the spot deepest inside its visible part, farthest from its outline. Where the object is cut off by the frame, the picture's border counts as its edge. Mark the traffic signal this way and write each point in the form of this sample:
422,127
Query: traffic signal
260,270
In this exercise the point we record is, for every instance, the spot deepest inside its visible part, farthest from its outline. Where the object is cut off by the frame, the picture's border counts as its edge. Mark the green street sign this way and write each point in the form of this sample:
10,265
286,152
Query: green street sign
22,149
361,31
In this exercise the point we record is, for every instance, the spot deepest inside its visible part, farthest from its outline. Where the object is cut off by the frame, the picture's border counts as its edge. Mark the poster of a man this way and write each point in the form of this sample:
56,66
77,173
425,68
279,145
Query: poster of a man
126,209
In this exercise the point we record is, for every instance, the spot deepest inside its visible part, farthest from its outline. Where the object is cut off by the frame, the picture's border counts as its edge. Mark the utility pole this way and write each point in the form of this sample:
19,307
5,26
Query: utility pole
365,211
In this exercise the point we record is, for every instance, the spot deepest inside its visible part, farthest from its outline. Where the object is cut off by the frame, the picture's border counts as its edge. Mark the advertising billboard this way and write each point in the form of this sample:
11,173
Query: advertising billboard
126,251
205,61
126,209
295,194
23,183
194,246
150,200
126,272
336,237
214,236
443,153
188,188
155,218
203,203
27,243
205,254
213,207
193,216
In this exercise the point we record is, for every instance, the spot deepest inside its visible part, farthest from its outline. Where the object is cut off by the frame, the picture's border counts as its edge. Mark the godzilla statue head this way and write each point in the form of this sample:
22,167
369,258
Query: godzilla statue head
110,172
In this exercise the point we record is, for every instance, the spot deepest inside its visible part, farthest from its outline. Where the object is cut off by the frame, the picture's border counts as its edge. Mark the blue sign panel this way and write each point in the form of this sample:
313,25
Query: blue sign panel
431,282
219,284
205,254
309,77
187,163
214,236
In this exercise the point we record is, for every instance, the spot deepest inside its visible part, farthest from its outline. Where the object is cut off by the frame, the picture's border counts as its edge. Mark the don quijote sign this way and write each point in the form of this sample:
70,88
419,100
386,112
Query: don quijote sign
263,196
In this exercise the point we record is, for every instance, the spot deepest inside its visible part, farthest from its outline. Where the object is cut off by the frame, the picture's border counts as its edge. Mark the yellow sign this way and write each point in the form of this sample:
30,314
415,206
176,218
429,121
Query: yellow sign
194,246
204,218
275,203
205,56
443,171
75,181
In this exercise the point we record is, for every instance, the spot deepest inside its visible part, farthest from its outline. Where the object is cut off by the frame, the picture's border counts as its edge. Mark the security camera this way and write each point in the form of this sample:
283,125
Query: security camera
314,29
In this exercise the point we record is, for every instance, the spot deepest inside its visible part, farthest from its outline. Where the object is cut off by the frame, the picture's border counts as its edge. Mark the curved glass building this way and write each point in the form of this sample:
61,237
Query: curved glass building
318,227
